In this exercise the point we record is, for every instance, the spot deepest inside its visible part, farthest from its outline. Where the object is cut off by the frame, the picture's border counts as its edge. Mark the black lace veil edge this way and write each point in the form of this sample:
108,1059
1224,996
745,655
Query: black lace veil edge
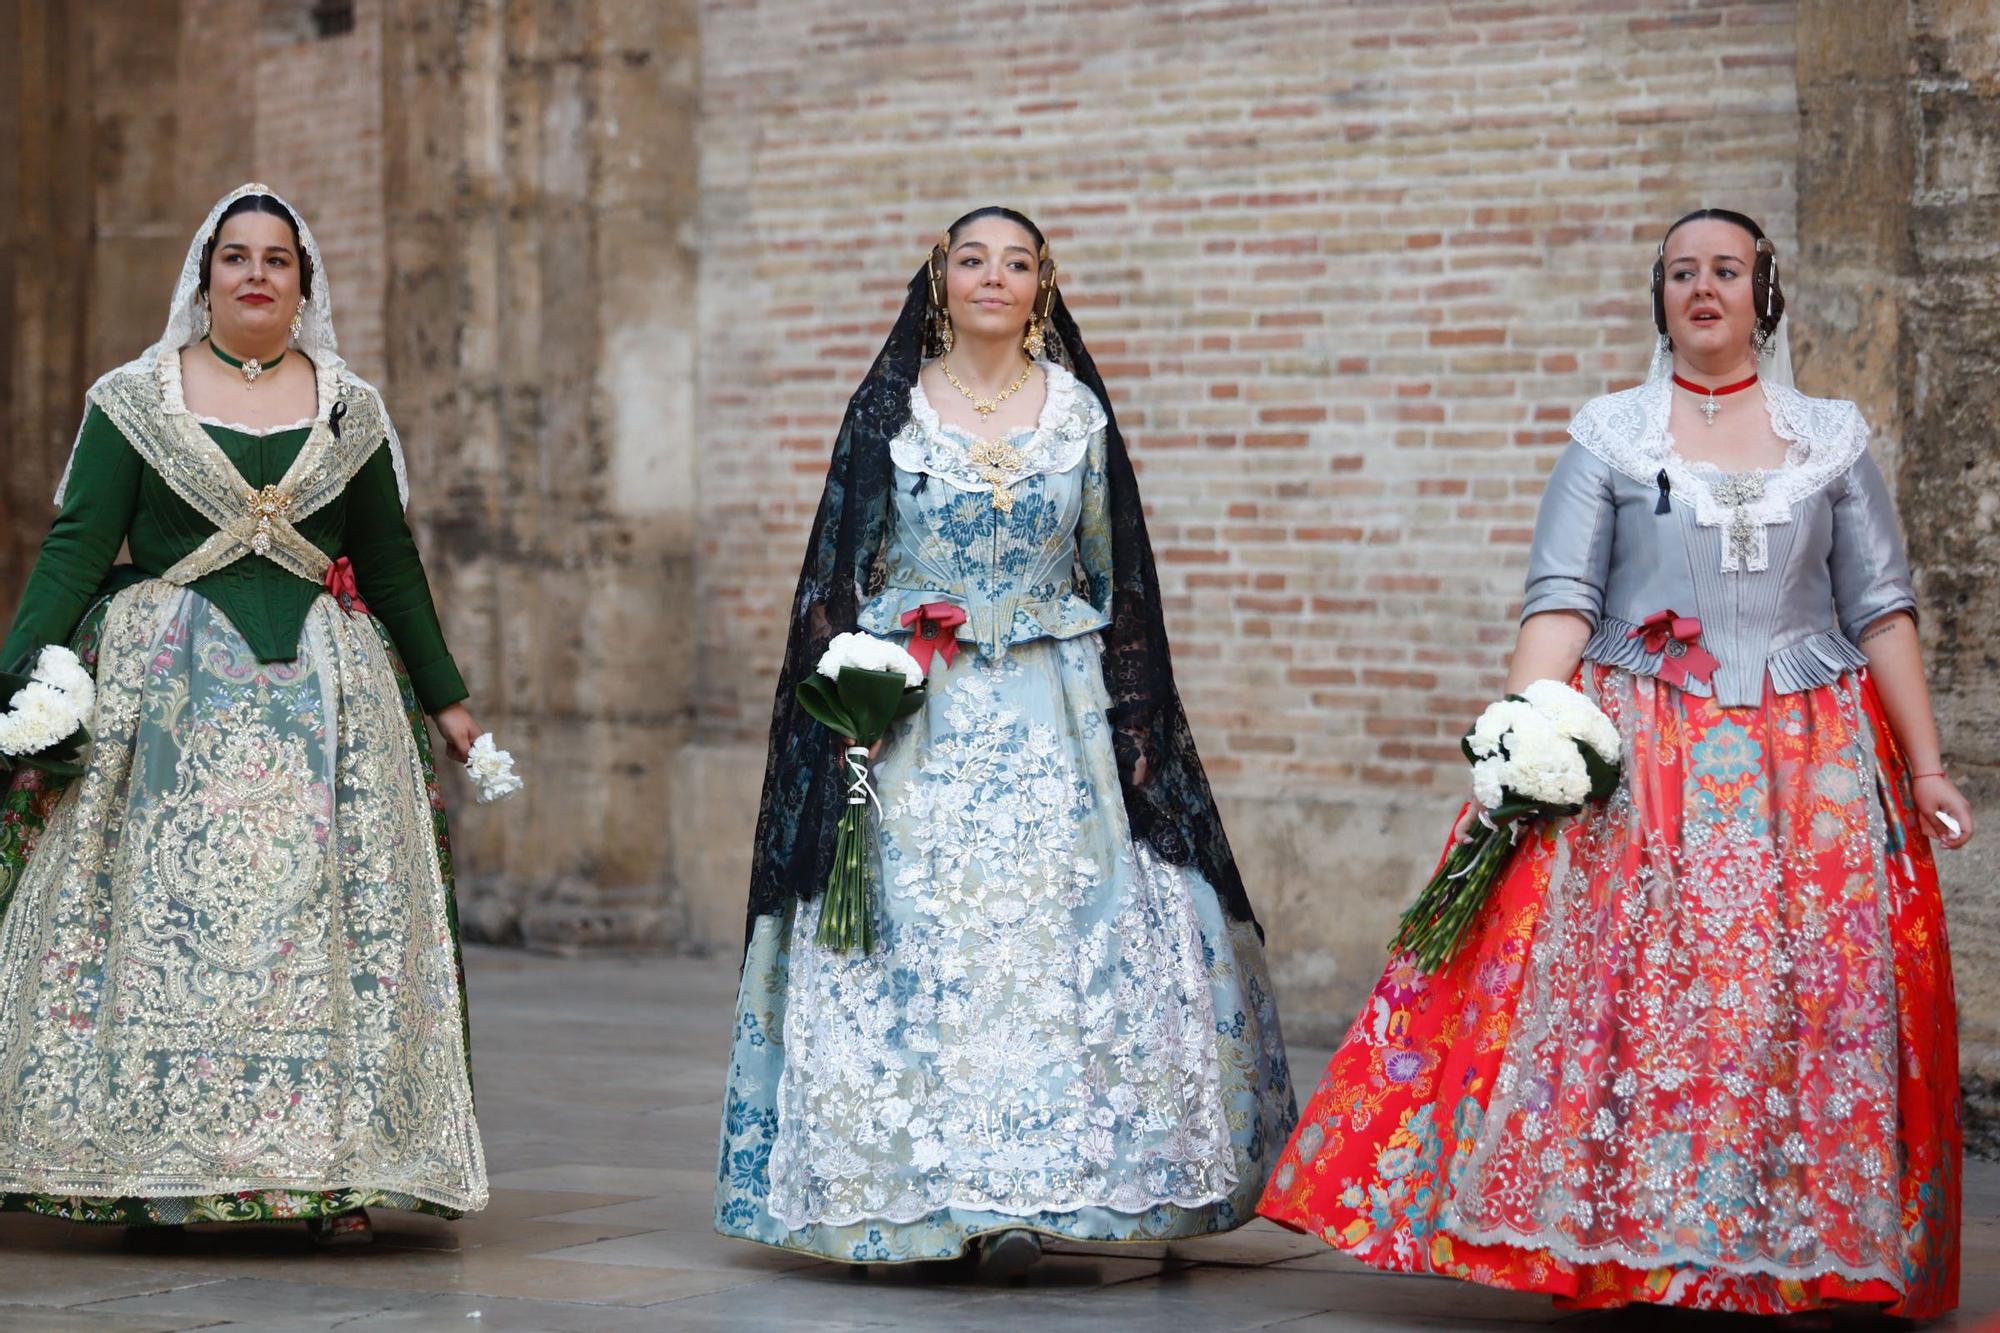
803,795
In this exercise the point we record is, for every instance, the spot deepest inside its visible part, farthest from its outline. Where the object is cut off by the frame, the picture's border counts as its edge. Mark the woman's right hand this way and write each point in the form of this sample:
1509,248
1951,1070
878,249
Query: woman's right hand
1467,822
1935,792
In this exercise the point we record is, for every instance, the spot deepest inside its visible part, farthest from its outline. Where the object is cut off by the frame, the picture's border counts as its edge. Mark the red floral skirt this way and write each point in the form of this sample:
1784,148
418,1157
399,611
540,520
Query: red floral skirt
1699,1049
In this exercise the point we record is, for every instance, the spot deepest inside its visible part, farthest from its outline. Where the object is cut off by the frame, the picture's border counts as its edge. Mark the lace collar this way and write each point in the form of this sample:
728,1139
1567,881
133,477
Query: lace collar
173,401
1823,436
1056,443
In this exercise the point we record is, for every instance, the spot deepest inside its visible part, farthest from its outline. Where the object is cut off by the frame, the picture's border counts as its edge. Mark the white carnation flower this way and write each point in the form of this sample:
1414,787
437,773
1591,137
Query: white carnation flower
58,699
40,716
1493,724
1575,717
1544,765
60,667
1489,782
491,770
865,652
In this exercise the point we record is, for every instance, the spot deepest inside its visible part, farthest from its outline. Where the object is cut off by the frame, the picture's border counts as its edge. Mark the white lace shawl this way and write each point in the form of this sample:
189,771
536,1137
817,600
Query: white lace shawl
1824,437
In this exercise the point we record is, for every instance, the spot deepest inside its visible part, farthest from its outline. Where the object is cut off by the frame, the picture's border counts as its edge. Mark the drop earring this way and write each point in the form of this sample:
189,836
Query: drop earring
1036,342
941,329
298,321
202,330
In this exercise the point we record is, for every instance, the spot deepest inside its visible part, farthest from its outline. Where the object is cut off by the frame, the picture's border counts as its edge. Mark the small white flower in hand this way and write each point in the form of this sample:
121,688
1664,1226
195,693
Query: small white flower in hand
491,770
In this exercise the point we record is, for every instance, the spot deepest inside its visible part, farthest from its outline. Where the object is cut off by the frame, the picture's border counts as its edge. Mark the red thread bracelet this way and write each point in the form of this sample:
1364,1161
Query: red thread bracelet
1938,774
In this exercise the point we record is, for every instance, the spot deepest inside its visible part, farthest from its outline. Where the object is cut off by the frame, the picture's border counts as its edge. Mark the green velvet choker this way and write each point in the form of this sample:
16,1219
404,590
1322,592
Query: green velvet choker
251,369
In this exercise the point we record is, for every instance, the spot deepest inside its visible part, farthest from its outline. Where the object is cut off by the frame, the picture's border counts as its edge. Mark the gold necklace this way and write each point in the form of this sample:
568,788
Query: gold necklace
986,407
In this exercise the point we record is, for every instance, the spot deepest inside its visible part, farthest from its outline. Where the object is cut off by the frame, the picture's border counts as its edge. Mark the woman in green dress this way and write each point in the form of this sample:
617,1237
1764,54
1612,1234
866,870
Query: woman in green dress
229,976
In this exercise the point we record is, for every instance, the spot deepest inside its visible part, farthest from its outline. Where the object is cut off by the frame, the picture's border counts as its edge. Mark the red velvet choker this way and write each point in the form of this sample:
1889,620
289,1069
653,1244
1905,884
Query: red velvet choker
1708,407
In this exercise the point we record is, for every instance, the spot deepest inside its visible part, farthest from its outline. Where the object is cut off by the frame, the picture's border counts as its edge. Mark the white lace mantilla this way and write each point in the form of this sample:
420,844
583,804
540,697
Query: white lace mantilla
1070,415
1824,437
316,336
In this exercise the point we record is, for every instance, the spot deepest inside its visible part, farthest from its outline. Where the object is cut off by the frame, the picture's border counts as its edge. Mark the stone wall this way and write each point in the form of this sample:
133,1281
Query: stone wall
1899,208
540,190
508,188
132,121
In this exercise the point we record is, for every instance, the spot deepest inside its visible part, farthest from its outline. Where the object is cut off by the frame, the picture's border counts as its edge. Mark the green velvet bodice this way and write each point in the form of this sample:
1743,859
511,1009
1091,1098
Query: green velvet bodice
115,498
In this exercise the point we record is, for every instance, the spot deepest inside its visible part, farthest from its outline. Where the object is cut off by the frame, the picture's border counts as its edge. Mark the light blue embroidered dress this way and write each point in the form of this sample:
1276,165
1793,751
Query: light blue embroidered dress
1057,1029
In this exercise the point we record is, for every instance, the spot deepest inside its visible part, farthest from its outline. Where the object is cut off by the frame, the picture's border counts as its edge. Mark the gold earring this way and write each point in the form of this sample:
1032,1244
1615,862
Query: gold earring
941,329
202,331
298,321
1036,341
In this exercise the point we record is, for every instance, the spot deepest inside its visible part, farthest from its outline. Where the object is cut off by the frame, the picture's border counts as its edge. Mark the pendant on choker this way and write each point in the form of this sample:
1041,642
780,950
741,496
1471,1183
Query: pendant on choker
1708,406
250,369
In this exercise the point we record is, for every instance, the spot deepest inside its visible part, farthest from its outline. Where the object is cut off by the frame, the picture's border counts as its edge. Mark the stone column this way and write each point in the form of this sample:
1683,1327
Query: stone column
47,230
1950,471
1899,218
539,333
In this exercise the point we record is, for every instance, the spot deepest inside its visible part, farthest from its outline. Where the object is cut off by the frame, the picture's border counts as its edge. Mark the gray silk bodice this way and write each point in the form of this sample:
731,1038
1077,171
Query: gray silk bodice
1784,567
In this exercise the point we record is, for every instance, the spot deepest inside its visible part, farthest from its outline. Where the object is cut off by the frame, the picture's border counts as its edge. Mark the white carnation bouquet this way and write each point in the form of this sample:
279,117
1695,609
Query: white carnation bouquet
46,722
861,685
1543,752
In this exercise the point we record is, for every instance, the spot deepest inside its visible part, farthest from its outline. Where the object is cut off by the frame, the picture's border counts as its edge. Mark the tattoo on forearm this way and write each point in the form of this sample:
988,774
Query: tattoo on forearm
1877,631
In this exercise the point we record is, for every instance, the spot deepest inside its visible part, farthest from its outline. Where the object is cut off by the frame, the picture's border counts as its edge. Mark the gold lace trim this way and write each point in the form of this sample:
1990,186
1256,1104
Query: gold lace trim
149,412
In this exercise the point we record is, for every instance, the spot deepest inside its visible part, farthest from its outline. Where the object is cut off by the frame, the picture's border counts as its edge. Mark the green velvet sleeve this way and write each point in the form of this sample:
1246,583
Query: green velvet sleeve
391,578
82,543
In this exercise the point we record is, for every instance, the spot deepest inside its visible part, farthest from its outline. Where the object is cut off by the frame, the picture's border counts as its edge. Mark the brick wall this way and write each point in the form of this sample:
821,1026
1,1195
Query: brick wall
1347,268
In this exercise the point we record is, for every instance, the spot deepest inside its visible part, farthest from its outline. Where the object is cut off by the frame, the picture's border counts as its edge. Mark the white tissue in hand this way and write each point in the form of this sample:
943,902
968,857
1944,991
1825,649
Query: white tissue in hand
1950,824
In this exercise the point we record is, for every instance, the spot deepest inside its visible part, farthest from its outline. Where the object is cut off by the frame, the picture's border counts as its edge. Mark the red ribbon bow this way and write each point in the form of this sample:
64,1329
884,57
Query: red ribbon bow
1677,639
340,583
931,627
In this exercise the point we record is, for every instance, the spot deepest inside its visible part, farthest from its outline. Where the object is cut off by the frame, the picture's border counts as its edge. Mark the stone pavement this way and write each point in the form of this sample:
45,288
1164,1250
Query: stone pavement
598,1083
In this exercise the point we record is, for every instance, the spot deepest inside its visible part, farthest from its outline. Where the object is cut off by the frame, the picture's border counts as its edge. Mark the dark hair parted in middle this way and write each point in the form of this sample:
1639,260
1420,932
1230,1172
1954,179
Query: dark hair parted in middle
1765,289
260,203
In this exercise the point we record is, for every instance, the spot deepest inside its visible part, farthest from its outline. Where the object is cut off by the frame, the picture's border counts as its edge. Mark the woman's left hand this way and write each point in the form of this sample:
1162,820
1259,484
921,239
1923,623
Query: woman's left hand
1937,792
455,724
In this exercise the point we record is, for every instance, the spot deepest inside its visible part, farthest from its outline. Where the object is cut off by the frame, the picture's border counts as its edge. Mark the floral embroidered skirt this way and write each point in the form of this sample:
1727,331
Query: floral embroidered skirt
1700,1050
1056,1030
230,986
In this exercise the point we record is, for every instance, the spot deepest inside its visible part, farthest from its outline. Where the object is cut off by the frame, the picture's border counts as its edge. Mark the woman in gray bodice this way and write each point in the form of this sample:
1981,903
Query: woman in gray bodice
1700,1047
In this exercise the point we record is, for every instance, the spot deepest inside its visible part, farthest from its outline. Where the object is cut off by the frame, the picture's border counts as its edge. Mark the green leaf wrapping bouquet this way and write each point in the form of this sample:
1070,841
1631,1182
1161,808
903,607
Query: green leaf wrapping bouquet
1541,753
861,686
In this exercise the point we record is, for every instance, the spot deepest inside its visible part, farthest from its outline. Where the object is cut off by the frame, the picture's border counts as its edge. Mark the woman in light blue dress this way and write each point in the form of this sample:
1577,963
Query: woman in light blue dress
1066,1027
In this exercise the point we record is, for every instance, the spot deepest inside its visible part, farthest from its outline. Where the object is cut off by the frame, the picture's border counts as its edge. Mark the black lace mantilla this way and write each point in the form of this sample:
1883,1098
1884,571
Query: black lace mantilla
804,793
